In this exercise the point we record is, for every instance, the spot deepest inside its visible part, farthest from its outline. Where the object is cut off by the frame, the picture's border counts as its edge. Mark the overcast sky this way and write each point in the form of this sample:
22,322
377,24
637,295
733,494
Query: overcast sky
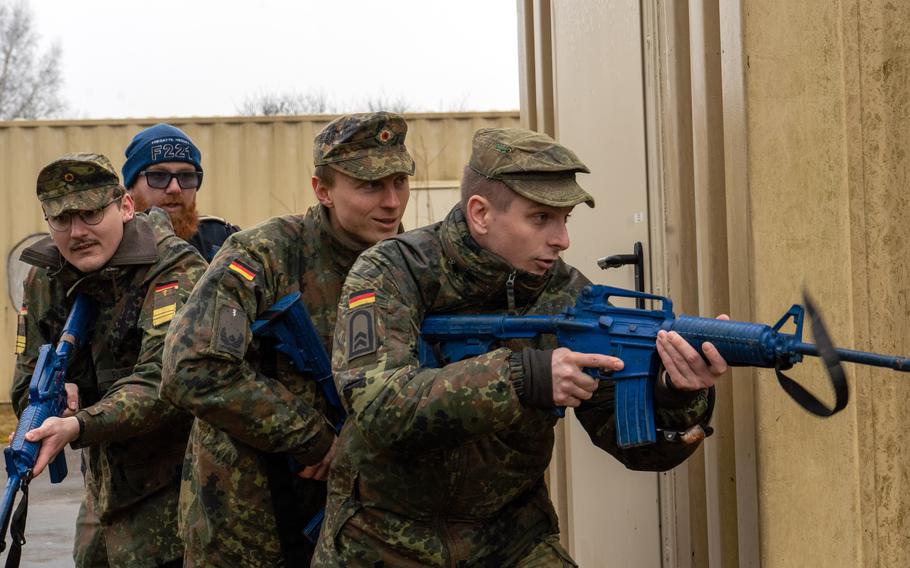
205,57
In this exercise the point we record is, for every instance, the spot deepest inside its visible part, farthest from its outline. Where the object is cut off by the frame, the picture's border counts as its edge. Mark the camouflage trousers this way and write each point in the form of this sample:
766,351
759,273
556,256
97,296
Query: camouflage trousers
547,553
117,543
523,534
89,547
89,550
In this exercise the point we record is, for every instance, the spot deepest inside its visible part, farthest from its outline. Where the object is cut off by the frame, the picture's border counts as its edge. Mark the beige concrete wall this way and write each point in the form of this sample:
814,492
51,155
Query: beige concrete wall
597,49
825,123
776,142
255,168
584,82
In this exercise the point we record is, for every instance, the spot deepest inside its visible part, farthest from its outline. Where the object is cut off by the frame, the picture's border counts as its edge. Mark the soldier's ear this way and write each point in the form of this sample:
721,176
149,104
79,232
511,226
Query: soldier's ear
477,213
127,208
322,192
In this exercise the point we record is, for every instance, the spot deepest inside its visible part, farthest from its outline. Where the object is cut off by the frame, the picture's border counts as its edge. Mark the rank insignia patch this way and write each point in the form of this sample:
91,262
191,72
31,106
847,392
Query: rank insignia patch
20,331
242,269
165,303
361,331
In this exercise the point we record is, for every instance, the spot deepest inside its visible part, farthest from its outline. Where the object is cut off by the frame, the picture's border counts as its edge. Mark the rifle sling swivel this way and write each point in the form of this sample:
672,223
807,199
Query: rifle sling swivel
828,354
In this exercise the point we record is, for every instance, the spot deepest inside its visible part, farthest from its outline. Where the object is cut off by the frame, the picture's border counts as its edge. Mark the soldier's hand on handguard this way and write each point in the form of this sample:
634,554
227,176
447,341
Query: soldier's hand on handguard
54,435
571,386
320,471
686,368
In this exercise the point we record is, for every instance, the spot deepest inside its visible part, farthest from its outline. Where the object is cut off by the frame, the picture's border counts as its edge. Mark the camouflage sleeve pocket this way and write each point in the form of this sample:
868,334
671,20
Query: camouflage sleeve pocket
232,329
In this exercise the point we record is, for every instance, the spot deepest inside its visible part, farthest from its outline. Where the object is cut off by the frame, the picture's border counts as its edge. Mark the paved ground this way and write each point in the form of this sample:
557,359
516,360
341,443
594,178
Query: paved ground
52,510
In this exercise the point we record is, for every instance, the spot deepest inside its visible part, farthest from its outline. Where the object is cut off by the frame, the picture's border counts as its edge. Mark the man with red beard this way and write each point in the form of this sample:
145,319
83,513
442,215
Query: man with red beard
164,169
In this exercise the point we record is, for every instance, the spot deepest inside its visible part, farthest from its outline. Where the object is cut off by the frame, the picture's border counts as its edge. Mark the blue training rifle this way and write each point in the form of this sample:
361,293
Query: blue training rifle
46,398
593,325
287,322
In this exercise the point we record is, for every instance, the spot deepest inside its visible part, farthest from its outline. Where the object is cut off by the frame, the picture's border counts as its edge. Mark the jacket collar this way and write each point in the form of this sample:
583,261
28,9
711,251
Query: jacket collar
344,250
479,273
137,247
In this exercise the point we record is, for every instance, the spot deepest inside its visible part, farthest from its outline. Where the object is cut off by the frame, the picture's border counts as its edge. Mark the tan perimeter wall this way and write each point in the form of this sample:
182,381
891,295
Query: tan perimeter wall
826,126
255,168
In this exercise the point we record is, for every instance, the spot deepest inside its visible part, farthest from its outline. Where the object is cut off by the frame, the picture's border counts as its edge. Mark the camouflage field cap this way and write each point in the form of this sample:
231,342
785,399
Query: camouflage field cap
78,182
531,164
366,145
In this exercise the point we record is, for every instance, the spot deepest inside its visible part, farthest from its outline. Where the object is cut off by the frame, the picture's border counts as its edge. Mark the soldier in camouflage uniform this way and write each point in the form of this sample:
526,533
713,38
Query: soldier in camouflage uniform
241,505
138,272
445,467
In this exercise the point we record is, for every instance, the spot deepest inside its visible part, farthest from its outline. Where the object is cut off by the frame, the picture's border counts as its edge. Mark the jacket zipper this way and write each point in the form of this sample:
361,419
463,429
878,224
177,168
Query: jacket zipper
510,292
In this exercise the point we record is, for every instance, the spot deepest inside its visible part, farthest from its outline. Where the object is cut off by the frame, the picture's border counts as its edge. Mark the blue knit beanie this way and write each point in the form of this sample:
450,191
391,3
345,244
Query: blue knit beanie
156,144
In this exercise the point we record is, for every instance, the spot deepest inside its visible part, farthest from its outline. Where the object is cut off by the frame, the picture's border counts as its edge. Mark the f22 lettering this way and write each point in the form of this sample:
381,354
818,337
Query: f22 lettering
176,150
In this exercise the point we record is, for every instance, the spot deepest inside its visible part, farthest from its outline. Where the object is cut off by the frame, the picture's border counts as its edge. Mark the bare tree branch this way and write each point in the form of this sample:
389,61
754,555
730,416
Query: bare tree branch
30,81
289,103
385,102
318,102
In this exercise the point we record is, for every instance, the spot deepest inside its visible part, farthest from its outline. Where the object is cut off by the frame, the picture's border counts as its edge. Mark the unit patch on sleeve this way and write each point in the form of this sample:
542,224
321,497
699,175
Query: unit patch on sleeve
20,331
165,303
242,269
361,324
230,331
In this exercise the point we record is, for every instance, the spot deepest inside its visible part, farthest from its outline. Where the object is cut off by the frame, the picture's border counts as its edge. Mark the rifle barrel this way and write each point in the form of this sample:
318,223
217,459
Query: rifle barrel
863,357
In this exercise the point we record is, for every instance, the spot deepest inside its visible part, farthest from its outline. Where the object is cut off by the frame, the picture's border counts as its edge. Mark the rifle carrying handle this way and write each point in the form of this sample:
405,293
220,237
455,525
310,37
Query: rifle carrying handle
613,292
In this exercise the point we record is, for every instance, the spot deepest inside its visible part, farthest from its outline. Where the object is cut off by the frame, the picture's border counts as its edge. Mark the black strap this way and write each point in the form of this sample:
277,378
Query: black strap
828,354
17,528
294,500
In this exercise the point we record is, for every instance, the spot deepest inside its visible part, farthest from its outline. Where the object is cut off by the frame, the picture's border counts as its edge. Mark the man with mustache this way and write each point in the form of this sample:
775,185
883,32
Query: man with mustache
445,467
241,504
137,272
163,169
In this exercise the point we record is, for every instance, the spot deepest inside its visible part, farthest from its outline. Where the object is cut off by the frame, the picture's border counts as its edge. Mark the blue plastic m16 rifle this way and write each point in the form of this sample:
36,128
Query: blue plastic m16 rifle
46,398
287,324
595,326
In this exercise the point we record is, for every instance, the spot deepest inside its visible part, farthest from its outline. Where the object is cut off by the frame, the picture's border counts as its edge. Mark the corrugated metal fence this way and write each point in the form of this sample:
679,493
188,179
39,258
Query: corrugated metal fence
255,168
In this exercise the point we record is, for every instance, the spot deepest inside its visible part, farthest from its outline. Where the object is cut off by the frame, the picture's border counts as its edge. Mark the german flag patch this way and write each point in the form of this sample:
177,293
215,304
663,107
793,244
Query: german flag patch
242,269
360,299
20,331
165,302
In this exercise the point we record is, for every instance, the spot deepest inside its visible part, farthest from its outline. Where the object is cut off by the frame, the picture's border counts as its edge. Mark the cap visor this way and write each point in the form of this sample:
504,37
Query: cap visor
558,192
377,166
86,200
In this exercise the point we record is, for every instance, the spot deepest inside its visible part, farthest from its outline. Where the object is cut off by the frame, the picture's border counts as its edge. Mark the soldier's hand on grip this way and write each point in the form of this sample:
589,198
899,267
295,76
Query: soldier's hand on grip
72,399
320,471
571,385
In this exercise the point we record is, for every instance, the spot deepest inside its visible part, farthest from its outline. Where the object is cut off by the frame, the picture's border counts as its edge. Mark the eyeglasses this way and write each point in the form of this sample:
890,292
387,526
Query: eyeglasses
159,179
64,221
